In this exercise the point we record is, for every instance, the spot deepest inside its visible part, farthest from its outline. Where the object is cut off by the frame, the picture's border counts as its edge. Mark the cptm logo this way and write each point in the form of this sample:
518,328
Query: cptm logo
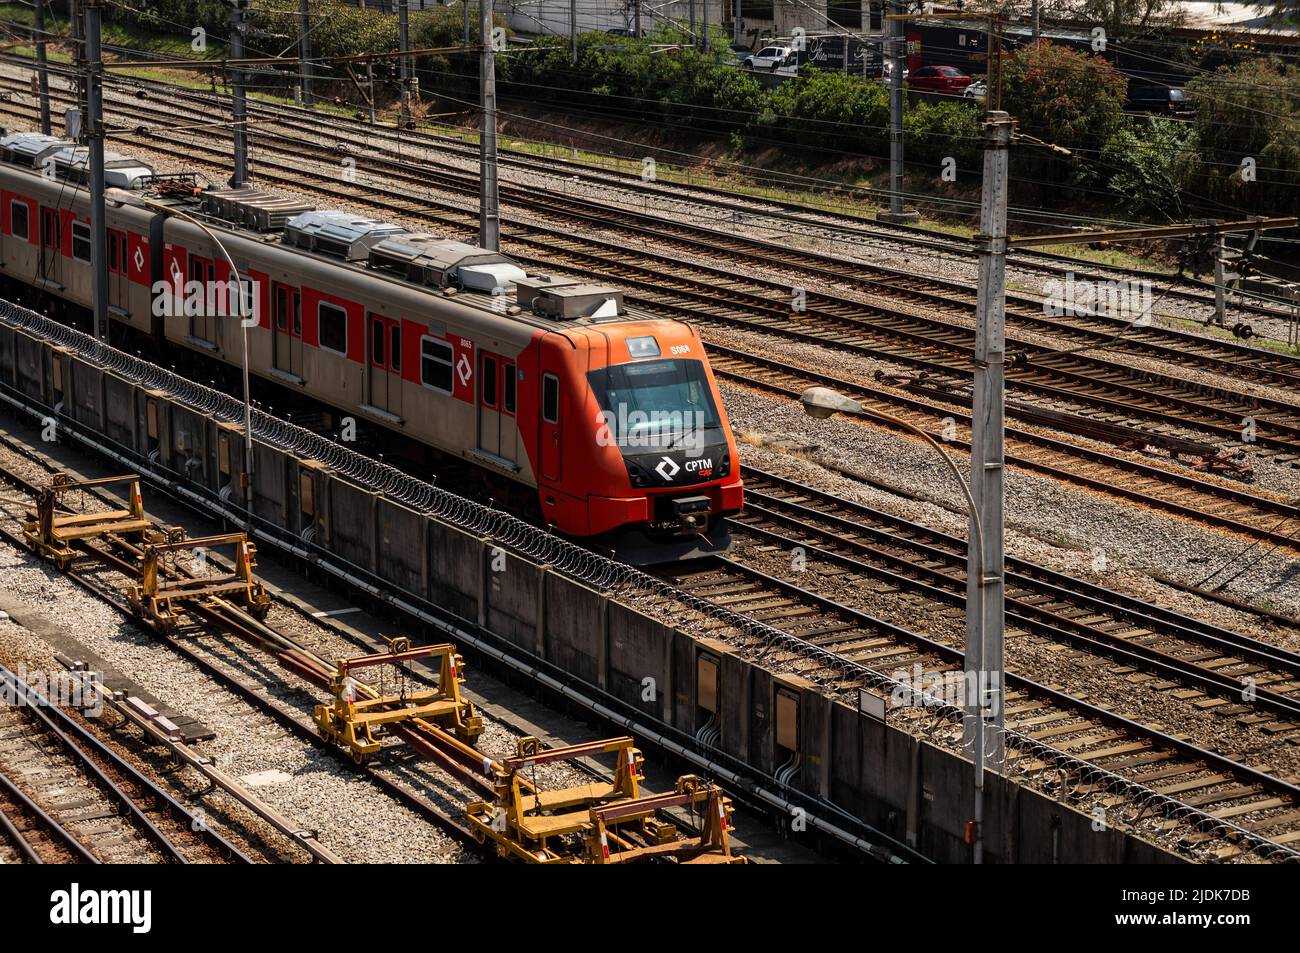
75,906
669,468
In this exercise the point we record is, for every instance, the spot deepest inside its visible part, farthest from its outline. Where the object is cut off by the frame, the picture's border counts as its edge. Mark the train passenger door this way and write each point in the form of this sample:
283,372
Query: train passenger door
203,320
509,400
286,307
50,243
384,354
489,404
551,424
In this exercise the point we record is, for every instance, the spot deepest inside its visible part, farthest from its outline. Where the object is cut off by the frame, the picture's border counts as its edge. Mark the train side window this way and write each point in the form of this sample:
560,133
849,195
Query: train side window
114,258
509,380
81,241
297,312
281,308
333,324
18,219
50,228
435,364
377,340
395,346
489,385
551,399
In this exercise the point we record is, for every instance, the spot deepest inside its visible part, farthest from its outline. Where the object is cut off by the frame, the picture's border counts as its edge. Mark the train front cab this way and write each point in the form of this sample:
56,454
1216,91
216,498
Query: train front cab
630,413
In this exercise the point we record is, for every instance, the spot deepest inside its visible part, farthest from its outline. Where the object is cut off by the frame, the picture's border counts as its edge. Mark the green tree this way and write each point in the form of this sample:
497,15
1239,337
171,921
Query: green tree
1063,97
1249,111
1149,163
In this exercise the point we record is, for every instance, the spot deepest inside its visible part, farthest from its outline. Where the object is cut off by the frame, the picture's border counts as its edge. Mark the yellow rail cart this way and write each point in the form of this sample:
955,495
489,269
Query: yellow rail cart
358,714
52,530
604,822
164,599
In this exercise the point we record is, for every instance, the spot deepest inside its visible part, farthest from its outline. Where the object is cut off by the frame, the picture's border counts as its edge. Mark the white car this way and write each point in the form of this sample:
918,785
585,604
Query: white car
976,90
769,57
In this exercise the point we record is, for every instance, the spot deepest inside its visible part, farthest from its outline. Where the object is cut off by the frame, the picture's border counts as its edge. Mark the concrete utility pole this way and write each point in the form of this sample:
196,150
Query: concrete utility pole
897,40
1035,14
93,129
238,104
403,64
573,31
985,574
304,49
489,222
693,33
1220,283
636,17
704,25
736,28
466,2
42,65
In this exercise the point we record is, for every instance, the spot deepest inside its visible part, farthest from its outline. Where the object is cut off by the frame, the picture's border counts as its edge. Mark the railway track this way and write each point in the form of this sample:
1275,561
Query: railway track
899,555
89,794
728,204
837,640
29,835
1084,391
230,664
1210,503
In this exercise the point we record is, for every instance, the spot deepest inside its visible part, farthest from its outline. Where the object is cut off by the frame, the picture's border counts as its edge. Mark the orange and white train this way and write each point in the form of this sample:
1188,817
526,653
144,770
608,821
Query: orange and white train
599,420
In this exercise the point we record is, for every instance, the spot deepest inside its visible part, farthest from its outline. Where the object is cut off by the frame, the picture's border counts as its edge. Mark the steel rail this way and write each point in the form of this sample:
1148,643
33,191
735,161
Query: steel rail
78,851
1200,291
86,748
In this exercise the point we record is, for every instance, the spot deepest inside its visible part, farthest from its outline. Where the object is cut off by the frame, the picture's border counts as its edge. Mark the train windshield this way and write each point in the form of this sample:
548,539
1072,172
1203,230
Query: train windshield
660,404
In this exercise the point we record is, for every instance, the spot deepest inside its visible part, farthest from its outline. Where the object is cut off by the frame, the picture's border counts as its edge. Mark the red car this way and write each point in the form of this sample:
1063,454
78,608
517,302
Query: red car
939,79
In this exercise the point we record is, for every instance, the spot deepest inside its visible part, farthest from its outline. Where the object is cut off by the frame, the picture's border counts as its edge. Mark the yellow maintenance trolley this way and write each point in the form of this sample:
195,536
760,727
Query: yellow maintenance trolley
358,713
165,599
53,530
604,822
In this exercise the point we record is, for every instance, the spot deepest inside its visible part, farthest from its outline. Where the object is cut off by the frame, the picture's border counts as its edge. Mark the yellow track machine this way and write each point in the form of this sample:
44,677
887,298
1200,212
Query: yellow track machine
164,600
52,530
601,822
357,715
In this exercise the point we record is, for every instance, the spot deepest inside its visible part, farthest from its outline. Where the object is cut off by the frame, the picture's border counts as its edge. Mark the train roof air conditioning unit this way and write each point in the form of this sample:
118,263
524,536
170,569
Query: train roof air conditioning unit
31,148
443,262
340,234
253,208
120,171
566,299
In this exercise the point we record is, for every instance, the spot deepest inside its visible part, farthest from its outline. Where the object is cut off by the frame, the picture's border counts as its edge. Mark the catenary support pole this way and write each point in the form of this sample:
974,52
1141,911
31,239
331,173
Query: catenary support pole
304,49
897,51
489,226
93,131
985,576
238,104
573,32
403,63
42,65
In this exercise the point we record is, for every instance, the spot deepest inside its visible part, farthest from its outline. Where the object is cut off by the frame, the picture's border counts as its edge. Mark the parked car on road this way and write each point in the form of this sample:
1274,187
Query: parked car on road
1162,100
977,90
769,57
939,79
